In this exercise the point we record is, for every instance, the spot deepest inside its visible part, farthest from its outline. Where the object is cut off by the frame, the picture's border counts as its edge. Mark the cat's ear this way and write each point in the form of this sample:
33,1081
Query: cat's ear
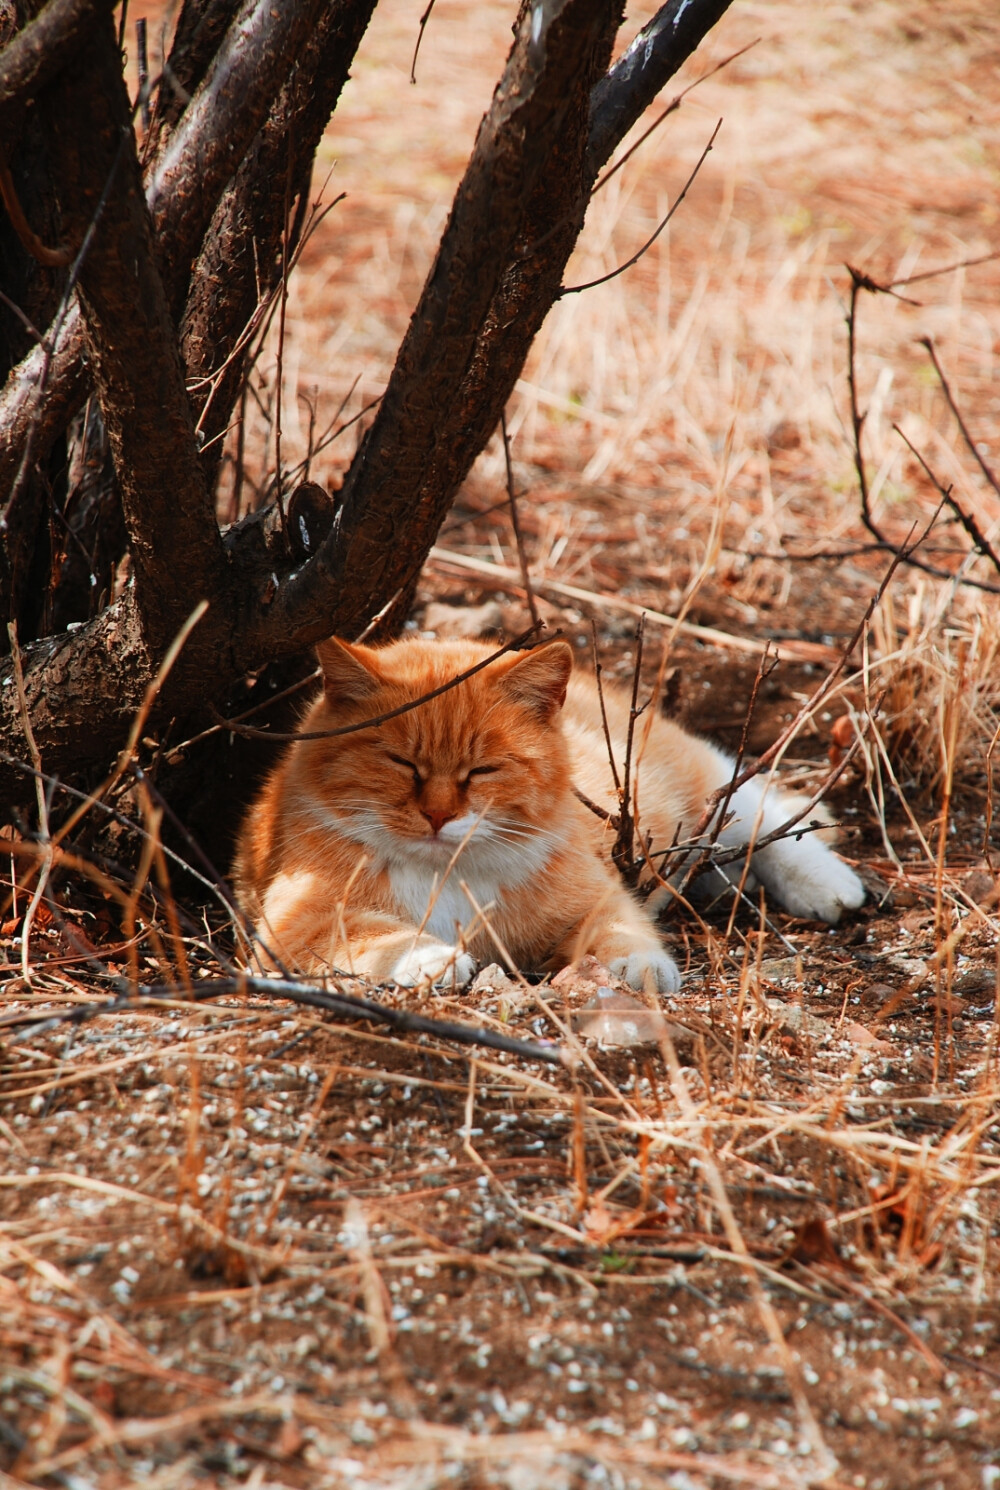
350,673
539,678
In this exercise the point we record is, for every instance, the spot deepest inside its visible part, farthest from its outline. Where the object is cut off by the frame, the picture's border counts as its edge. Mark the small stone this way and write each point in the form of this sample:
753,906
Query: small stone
858,1034
981,886
792,1019
780,969
615,1018
492,979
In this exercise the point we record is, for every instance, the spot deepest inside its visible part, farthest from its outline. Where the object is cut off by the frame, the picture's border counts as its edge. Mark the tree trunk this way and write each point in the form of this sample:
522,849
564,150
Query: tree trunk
556,115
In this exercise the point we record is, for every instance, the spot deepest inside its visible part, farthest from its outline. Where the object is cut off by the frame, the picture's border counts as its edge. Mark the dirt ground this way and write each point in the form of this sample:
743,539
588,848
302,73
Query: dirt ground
243,1243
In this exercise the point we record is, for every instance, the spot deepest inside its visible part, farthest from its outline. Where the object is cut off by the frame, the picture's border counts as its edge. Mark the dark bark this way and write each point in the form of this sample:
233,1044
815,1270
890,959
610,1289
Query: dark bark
168,510
240,257
515,219
215,132
438,409
217,127
200,28
39,52
661,47
89,537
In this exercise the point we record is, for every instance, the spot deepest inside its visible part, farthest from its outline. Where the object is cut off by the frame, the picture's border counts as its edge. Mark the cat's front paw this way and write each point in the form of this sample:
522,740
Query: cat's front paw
657,968
434,962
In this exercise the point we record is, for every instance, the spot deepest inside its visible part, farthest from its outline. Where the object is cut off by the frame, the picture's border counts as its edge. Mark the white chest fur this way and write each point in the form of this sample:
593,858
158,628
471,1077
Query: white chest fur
446,906
489,867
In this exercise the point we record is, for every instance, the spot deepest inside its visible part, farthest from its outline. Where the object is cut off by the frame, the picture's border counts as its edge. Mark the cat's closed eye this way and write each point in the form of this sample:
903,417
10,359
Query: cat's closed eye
463,781
400,760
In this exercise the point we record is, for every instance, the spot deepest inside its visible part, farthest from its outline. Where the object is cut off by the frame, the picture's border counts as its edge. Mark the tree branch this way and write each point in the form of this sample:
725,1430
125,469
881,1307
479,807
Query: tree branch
659,50
40,51
238,260
137,369
513,225
217,127
526,189
439,409
200,28
214,133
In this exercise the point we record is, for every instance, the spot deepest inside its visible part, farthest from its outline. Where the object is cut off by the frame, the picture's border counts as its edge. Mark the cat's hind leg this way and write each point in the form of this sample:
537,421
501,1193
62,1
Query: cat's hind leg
801,871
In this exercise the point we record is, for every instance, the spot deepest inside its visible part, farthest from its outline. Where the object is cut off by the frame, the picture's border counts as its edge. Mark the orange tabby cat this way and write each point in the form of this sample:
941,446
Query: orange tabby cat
408,851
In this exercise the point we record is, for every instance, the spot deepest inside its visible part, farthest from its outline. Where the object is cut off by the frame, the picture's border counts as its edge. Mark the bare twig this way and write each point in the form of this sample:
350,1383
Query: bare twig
345,1006
623,849
765,668
25,321
671,108
522,557
420,36
604,713
52,258
912,279
974,450
809,708
502,574
968,522
861,281
613,274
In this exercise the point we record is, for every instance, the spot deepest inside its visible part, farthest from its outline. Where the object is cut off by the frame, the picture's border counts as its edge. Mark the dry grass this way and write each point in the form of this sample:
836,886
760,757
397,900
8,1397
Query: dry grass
266,1247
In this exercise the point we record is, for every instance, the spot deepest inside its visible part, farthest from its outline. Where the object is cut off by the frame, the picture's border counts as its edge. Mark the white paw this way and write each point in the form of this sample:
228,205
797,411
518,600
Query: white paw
434,962
809,879
661,970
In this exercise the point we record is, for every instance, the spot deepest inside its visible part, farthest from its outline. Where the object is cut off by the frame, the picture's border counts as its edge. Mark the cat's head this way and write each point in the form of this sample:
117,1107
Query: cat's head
484,762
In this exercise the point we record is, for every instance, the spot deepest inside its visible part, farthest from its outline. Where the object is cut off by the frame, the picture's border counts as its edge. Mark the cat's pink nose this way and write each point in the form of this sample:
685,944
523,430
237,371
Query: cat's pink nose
436,817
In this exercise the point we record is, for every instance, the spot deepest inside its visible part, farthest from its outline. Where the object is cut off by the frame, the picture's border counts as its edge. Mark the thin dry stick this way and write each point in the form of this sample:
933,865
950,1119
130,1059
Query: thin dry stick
502,575
282,307
174,753
614,273
522,557
43,810
988,823
861,281
623,849
949,743
809,708
912,279
25,321
420,36
763,671
141,876
974,449
259,325
379,617
671,108
604,712
966,519
343,1005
